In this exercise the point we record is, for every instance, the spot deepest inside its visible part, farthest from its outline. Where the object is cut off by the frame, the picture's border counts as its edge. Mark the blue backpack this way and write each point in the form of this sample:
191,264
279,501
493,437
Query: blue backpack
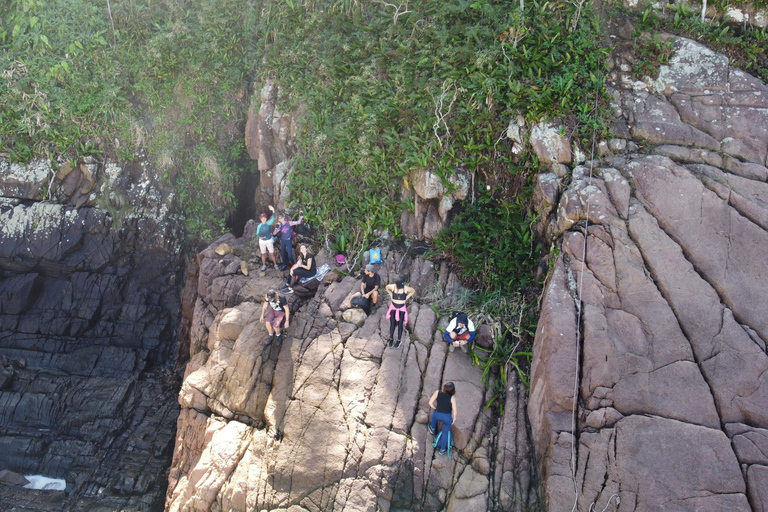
375,256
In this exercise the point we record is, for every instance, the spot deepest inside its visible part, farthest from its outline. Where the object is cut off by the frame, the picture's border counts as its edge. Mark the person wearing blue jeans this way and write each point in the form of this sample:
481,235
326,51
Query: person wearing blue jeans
284,227
443,403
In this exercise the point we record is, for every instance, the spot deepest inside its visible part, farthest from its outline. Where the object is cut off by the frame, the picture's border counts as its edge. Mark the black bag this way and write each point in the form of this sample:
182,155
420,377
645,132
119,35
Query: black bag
362,303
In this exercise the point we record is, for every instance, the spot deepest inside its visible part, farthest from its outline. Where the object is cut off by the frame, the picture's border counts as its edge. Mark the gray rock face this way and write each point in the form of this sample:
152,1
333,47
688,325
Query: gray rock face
89,309
333,420
650,365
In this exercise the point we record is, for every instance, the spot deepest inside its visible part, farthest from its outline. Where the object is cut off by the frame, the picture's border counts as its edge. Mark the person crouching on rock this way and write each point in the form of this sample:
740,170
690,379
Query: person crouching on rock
459,332
304,267
278,310
443,403
264,234
369,286
398,311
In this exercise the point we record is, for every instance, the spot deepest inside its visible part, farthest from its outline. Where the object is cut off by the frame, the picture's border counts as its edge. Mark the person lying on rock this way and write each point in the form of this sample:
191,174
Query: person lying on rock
369,286
443,403
264,234
398,311
459,332
304,267
286,237
278,310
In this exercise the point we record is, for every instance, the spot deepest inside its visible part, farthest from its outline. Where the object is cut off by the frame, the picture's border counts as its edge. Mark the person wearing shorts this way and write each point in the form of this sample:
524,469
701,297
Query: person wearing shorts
264,234
459,332
278,311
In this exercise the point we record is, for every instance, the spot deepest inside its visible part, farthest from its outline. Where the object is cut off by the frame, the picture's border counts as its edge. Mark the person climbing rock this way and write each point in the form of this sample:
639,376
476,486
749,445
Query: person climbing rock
278,310
398,311
443,403
286,237
264,235
304,267
459,332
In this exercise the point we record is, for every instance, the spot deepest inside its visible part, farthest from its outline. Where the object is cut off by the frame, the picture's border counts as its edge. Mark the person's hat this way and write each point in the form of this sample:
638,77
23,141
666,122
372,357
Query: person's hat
262,215
369,268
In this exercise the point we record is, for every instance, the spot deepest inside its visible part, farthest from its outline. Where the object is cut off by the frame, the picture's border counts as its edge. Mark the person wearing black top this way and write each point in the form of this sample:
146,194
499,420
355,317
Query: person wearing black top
445,411
369,286
398,311
278,310
304,267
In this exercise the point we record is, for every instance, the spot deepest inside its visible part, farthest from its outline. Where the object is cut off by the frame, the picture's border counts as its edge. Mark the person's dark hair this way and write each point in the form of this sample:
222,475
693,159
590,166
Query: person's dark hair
449,388
400,283
272,293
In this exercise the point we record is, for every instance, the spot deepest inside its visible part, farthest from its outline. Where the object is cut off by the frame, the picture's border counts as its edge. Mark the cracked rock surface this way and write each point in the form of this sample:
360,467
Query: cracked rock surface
89,309
649,386
332,420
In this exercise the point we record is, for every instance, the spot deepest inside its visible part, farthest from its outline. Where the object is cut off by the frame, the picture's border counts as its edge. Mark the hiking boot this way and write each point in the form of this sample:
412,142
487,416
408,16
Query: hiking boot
465,349
279,340
397,345
269,340
263,268
451,348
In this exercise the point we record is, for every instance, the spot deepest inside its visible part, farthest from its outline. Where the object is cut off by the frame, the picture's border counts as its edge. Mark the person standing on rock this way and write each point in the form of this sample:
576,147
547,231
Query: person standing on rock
443,403
286,237
398,310
459,332
305,267
278,310
264,234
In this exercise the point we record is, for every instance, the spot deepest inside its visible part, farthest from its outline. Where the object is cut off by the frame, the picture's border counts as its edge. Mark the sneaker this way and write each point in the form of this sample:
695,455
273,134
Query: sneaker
283,268
279,339
269,340
277,267
431,430
443,450
391,341
397,345
288,290
451,348
263,268
465,349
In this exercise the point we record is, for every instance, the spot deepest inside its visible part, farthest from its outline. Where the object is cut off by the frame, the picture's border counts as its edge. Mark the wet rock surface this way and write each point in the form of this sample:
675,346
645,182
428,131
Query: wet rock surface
331,419
89,308
650,360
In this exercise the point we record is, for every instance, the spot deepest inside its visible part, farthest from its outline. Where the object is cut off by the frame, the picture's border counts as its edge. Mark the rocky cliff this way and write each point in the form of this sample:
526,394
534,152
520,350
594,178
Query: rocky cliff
649,385
90,255
333,420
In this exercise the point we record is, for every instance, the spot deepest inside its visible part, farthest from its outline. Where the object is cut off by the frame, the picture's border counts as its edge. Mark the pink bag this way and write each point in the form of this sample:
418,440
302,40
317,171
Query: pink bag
340,260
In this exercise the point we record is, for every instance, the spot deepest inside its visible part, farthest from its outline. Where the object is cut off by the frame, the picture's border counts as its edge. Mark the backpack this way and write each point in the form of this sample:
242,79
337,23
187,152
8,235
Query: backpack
375,256
340,260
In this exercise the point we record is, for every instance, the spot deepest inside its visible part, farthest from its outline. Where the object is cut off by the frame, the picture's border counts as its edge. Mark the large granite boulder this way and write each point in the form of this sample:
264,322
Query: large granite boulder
332,419
650,369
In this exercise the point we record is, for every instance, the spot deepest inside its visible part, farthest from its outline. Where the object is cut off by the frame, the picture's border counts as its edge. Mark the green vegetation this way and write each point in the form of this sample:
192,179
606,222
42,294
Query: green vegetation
746,46
432,85
83,78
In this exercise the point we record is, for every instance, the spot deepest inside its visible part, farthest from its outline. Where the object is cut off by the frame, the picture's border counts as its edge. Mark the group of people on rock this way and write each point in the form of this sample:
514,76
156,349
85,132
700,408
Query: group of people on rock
266,235
275,311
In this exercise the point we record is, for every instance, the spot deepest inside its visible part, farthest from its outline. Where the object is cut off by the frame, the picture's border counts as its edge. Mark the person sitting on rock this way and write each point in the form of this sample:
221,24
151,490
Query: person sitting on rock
304,267
398,311
286,237
369,286
278,310
459,332
264,235
443,403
